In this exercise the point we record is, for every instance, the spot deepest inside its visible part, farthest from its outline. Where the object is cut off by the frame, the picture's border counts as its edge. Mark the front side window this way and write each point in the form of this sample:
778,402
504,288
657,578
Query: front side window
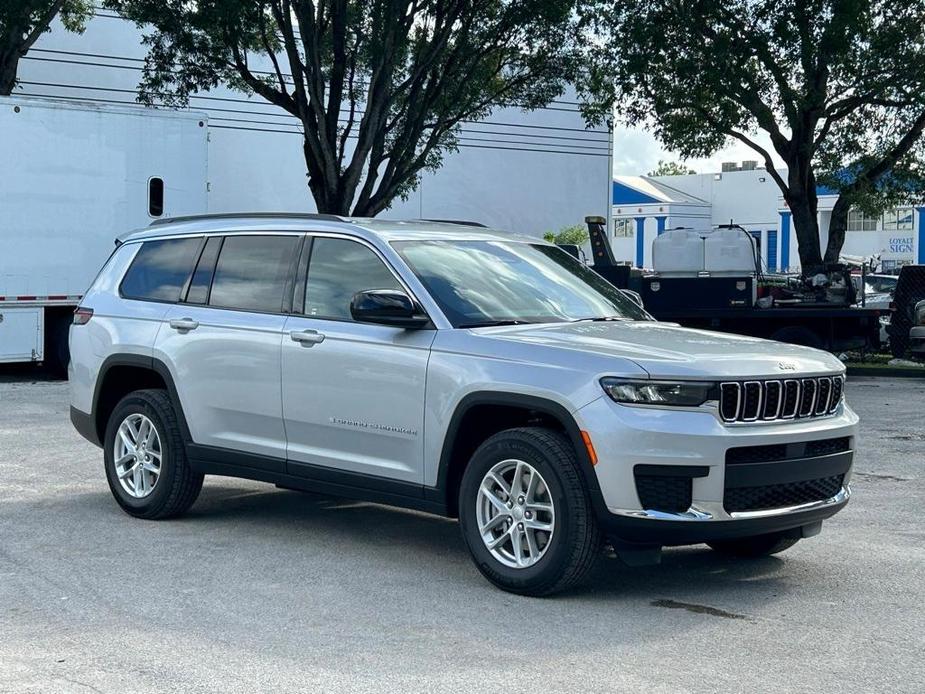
160,270
858,221
479,282
252,272
338,269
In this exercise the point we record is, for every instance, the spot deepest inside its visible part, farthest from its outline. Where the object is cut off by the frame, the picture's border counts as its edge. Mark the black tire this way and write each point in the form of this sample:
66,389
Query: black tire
576,540
177,485
755,546
798,335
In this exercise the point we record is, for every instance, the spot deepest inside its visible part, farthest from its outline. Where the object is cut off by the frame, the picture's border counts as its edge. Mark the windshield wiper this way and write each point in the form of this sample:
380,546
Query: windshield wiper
493,323
600,319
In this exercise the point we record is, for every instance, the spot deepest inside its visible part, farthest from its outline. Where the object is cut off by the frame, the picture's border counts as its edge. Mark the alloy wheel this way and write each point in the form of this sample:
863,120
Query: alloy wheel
515,513
137,453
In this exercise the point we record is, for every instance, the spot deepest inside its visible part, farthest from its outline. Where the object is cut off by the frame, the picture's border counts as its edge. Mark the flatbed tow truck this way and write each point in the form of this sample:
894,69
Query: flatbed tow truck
728,304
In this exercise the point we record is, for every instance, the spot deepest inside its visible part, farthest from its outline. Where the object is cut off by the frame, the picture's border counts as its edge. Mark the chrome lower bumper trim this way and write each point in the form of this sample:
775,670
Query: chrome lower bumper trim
712,511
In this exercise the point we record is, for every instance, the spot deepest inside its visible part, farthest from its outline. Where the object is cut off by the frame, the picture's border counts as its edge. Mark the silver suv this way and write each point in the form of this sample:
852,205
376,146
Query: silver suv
452,369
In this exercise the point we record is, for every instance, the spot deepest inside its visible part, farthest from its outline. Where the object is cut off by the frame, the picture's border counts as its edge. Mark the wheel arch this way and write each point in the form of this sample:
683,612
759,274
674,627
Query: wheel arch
484,413
119,375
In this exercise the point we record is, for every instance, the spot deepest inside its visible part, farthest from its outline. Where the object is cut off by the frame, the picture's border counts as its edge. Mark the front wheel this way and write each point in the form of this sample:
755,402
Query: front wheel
525,513
145,458
755,546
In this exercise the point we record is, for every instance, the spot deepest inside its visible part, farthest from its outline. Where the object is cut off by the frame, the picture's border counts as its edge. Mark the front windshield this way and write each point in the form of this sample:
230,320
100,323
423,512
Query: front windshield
480,283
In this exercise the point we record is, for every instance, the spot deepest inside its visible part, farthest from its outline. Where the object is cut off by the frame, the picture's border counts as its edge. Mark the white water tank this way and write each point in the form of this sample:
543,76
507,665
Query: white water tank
678,252
729,252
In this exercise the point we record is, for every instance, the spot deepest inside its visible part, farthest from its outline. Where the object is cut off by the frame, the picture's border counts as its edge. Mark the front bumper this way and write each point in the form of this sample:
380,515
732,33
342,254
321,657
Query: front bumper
694,443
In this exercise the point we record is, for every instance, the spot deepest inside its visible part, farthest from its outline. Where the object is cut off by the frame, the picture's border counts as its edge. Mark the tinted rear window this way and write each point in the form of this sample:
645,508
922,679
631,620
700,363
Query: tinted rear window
252,272
160,269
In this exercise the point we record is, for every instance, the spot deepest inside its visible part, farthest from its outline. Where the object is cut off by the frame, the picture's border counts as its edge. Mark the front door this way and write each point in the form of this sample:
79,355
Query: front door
353,393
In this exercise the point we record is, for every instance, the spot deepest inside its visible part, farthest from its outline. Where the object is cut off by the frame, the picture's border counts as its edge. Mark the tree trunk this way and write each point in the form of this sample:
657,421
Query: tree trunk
806,226
838,225
326,193
9,62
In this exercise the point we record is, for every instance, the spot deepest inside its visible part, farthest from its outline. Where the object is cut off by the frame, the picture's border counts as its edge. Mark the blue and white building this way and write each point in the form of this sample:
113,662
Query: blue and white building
643,207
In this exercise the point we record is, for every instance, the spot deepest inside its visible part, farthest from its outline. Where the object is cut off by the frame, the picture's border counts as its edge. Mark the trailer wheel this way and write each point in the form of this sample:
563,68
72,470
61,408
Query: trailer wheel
798,335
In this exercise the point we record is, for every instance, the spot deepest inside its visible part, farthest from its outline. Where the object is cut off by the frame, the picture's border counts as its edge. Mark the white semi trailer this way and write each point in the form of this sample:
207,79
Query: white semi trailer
78,174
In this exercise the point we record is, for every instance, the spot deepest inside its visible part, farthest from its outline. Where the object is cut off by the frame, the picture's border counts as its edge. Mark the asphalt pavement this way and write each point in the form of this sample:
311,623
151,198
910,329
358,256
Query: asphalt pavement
260,590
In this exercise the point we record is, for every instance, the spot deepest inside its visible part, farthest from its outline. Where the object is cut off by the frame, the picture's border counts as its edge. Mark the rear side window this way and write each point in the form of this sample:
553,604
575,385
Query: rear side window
252,272
160,270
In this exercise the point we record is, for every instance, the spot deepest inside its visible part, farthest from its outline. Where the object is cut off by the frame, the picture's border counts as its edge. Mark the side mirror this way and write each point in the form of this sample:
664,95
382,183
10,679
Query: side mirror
634,297
387,307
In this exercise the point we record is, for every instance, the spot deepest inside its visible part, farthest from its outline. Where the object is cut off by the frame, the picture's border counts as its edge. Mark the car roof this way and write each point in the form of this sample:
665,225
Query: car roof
364,227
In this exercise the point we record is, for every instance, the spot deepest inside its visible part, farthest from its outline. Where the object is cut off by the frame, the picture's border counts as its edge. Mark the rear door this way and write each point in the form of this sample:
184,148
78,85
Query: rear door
353,394
223,344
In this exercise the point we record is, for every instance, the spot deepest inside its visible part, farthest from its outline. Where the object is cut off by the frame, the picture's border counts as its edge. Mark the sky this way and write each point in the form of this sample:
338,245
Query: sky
636,153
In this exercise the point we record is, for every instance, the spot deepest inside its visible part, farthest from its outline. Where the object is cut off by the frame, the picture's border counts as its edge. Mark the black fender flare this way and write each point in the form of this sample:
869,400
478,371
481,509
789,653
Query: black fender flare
141,361
538,404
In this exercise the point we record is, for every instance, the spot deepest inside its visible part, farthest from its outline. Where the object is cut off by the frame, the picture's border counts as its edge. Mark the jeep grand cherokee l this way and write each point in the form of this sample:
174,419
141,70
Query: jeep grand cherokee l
452,369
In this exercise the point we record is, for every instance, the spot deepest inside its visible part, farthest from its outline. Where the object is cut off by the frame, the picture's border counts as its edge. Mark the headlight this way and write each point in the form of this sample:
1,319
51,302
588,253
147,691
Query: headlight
674,394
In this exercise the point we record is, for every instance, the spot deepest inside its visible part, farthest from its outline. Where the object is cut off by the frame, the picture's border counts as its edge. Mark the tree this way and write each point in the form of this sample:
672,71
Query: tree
671,168
817,77
380,87
21,24
575,234
890,170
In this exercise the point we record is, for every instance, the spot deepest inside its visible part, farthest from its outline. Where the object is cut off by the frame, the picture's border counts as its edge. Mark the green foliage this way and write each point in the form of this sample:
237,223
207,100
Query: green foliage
671,168
379,87
836,86
576,234
23,21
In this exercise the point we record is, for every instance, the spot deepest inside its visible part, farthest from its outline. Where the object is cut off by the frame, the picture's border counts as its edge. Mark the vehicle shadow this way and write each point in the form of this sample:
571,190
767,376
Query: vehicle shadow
293,520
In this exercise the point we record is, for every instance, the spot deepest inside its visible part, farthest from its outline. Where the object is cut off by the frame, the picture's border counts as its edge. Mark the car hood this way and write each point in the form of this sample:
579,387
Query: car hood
668,350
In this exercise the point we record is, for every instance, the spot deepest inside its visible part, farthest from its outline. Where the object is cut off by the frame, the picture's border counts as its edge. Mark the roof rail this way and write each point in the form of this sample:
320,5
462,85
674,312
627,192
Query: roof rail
237,215
462,222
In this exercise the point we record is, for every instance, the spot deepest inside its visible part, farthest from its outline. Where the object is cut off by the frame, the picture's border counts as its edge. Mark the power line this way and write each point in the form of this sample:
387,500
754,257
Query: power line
462,145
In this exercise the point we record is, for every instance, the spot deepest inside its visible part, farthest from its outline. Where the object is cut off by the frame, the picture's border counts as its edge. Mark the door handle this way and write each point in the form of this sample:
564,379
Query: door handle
307,338
184,324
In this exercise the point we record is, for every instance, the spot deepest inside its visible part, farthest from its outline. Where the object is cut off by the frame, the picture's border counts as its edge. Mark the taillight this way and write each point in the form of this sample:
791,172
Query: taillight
82,315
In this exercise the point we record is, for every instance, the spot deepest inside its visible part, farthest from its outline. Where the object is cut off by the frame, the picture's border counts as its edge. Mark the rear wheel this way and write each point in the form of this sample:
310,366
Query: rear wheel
145,458
755,546
525,513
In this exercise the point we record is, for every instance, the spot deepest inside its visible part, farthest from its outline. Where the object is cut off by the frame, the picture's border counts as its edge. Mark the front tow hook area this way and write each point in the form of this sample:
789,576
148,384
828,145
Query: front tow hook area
636,554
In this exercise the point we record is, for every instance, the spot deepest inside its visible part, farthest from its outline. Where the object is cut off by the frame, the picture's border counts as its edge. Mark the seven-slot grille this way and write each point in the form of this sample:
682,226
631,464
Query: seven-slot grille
791,398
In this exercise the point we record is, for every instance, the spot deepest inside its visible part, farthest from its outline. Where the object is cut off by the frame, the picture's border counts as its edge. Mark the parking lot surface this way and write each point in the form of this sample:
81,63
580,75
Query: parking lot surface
259,589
